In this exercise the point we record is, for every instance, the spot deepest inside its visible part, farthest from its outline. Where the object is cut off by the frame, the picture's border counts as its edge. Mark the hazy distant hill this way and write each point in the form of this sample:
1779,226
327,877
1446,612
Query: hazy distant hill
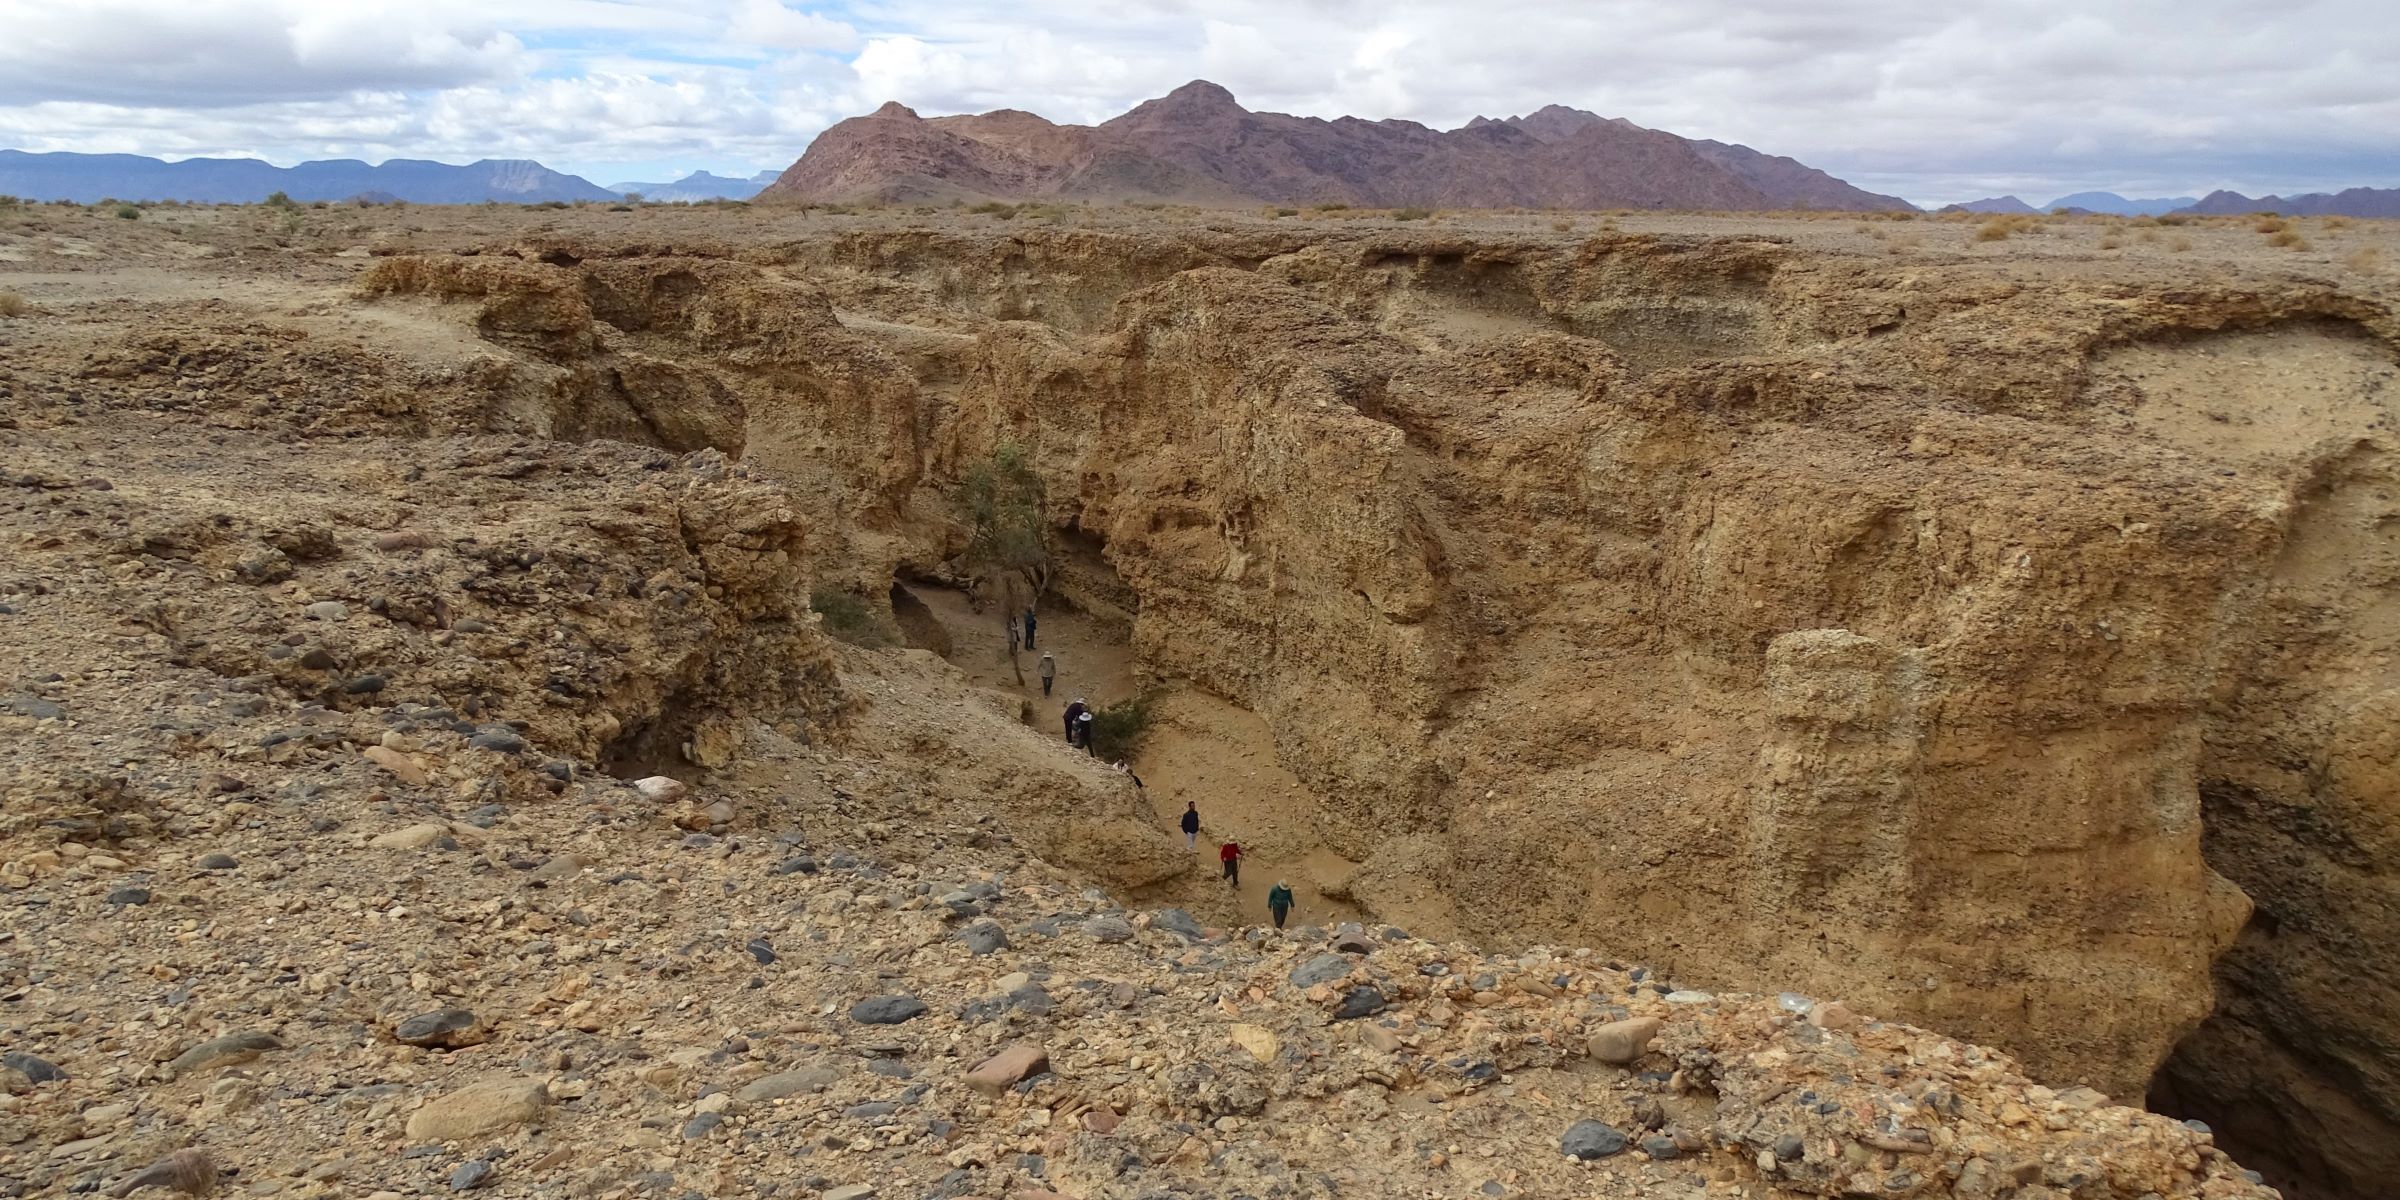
1196,145
86,178
2351,202
699,185
1993,204
2110,202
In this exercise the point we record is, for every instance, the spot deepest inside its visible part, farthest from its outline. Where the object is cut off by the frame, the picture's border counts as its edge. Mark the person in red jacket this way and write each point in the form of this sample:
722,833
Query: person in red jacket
1231,855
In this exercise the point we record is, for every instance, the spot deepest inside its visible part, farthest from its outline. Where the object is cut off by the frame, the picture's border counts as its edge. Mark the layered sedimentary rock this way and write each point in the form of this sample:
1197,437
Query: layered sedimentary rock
1779,618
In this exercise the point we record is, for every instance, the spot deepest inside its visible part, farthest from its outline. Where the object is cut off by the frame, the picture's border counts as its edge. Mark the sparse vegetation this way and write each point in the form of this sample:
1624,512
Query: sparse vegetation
1117,729
128,212
1411,214
1287,212
2179,245
2337,222
2110,242
848,617
994,208
1562,226
2366,260
2287,239
2271,225
280,200
13,305
9,202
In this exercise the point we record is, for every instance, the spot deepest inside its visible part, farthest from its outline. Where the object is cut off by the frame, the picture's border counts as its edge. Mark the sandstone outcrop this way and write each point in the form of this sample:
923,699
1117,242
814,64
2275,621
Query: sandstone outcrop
1783,618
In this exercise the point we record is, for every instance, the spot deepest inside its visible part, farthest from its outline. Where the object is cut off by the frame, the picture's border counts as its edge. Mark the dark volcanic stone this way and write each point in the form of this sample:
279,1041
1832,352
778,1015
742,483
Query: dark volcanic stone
887,1010
1589,1140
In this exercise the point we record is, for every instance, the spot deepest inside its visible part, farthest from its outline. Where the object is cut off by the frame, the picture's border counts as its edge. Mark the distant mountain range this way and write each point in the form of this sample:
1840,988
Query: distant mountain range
2091,202
2355,202
2351,202
87,178
699,185
1196,145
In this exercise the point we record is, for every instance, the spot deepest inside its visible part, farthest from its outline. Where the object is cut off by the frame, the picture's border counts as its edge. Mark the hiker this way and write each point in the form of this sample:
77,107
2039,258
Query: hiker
1075,710
1083,731
1049,671
1013,635
1191,825
1279,902
1231,855
1029,624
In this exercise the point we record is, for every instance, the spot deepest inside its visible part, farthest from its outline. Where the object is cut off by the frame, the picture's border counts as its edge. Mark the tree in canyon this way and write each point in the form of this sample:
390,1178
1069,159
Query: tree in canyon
1008,535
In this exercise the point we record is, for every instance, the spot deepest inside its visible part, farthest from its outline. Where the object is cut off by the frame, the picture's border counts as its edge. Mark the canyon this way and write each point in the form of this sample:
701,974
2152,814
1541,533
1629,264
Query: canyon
1994,636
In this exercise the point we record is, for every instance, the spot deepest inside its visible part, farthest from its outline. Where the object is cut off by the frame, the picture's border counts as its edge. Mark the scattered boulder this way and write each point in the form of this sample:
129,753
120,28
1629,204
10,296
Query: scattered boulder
1109,930
186,1171
413,837
39,1070
1590,1140
1324,968
479,1109
1008,1068
225,1051
447,1028
1257,1040
887,1010
789,1083
984,937
1621,1042
1363,1001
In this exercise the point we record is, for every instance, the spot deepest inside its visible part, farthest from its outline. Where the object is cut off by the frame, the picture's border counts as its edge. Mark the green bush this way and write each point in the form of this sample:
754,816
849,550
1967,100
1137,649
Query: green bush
127,212
280,200
1117,729
849,618
1411,214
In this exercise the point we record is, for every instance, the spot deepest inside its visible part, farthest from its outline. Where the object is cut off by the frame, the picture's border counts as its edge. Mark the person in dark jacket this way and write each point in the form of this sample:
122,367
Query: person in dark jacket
1075,710
1231,855
1029,624
1191,825
1083,733
1279,902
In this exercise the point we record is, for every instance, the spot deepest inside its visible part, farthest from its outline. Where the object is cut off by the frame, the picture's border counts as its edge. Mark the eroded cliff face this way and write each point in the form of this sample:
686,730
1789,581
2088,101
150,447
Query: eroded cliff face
1781,618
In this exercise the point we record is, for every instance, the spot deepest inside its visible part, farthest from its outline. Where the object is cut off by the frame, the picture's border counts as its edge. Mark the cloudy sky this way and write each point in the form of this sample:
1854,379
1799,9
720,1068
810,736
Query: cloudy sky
1931,101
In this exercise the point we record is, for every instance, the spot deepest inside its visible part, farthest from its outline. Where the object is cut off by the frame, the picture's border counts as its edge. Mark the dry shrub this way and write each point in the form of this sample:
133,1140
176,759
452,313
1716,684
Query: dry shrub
13,305
2147,235
2110,242
1999,229
2366,260
2179,245
2271,225
2288,239
1562,226
2337,222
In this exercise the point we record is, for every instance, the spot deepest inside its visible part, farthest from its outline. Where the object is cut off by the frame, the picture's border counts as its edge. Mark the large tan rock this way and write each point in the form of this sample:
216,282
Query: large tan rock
478,1109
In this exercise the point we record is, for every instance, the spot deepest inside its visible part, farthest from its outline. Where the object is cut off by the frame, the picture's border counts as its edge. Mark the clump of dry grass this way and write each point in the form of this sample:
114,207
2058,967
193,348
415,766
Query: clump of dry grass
2287,239
2110,242
2271,225
2337,222
1999,229
13,305
2179,245
1562,226
2366,260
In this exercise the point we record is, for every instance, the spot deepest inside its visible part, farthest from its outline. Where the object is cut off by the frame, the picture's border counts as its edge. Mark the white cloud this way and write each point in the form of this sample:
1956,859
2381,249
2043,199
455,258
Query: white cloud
1933,101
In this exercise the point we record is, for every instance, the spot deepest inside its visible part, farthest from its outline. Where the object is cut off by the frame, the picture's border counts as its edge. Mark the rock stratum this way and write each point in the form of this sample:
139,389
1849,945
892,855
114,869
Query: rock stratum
1996,647
1196,145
